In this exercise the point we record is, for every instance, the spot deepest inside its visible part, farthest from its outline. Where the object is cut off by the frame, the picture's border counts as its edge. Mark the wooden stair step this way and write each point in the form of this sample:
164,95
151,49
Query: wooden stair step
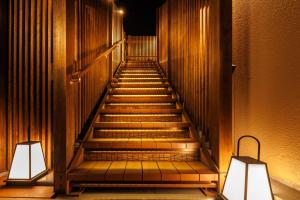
165,91
141,111
138,79
139,125
141,133
142,155
121,106
139,143
140,117
145,75
142,172
140,85
140,99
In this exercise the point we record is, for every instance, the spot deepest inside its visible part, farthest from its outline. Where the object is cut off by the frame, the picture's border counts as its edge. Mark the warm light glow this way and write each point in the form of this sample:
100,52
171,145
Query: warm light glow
244,173
258,183
37,159
26,152
20,164
234,187
121,11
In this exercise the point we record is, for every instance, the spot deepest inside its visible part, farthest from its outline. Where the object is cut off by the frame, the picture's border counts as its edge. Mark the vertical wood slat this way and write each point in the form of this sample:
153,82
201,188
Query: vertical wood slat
4,61
28,23
141,48
197,35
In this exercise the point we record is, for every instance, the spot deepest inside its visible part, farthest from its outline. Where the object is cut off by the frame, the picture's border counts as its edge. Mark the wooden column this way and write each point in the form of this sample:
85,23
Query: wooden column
3,82
59,94
225,112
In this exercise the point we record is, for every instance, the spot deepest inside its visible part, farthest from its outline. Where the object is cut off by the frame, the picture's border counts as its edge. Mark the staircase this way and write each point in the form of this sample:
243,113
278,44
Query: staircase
141,138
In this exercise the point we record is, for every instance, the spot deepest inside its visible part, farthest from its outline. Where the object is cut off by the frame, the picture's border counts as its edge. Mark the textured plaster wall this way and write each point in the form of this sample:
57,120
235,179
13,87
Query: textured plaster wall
266,49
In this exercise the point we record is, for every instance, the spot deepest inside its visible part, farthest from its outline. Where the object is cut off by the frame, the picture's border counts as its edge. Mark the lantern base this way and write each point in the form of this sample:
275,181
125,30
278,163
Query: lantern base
221,197
25,182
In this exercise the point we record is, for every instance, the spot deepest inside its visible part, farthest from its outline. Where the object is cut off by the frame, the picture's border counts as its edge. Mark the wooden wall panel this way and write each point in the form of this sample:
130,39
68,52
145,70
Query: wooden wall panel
4,8
163,39
27,76
141,48
82,34
195,40
117,35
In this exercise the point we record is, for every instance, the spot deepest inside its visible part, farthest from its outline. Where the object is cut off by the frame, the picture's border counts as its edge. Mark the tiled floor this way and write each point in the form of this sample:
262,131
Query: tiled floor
148,194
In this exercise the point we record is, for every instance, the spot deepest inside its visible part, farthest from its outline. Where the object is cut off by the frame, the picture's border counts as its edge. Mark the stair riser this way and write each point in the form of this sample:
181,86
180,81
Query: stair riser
121,107
141,156
126,134
163,92
167,99
105,118
140,80
159,85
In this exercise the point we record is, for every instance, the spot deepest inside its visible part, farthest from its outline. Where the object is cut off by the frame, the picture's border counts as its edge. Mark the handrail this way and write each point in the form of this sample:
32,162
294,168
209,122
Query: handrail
76,76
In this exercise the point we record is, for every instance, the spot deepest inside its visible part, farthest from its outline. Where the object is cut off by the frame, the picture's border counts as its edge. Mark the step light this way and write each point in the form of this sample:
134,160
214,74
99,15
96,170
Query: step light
247,178
139,88
142,83
140,95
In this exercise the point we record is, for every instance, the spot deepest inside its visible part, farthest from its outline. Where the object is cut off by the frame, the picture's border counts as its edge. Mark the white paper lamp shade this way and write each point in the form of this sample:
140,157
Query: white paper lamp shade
247,179
28,161
235,181
258,183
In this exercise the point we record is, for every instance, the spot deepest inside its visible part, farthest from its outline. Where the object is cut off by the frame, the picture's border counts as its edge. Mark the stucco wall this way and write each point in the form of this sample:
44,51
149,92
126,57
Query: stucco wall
266,49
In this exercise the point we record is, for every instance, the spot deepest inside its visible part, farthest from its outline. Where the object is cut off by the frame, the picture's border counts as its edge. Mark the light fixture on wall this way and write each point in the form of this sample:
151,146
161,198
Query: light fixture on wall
28,164
247,178
121,11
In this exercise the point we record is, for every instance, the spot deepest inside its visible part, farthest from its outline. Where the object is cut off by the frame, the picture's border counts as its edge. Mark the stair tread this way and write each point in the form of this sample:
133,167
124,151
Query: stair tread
142,171
141,124
141,111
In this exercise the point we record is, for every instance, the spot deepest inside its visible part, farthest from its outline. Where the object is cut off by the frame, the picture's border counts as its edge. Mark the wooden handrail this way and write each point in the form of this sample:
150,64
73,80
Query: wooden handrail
76,76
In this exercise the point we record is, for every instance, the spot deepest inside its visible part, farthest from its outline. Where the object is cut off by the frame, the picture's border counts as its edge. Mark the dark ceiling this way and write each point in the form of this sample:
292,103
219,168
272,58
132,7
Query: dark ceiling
140,16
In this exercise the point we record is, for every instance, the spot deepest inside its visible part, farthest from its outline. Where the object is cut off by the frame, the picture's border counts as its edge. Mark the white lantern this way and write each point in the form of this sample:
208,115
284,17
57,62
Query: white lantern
28,163
247,178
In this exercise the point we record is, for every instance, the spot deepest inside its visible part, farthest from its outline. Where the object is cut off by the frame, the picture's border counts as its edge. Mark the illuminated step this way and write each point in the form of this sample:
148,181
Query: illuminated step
140,99
140,117
146,74
135,125
139,105
140,80
141,133
141,111
140,91
140,95
141,83
184,144
174,155
145,174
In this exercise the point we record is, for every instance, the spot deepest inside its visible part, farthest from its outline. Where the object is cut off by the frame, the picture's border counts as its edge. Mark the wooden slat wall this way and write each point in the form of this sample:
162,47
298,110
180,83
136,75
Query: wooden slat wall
42,43
28,76
141,48
82,31
163,39
197,34
4,10
117,35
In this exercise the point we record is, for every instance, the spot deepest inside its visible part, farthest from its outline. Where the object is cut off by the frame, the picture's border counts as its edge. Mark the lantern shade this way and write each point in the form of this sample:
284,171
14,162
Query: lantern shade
28,162
247,179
